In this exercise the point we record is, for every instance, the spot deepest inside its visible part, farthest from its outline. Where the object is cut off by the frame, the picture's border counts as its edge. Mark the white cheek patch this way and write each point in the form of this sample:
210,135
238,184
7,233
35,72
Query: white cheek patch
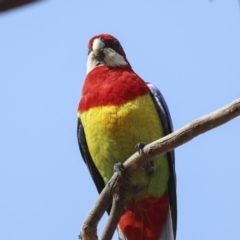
111,59
92,62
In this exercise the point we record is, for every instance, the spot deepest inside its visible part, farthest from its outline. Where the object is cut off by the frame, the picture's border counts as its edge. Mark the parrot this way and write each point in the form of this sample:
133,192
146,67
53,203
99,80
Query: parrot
117,111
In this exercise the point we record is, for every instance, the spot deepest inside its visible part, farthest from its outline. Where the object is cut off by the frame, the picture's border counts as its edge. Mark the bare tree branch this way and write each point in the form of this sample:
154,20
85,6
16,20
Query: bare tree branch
116,187
6,5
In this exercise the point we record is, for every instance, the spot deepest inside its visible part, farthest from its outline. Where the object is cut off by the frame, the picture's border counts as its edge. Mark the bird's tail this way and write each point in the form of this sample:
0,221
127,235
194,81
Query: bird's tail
147,219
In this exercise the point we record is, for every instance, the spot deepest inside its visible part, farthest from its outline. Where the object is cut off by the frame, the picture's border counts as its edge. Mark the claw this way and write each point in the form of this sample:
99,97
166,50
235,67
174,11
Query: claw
120,170
139,147
149,167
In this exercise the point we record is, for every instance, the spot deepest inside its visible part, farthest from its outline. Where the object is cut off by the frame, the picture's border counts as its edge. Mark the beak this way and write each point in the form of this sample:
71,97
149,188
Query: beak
98,45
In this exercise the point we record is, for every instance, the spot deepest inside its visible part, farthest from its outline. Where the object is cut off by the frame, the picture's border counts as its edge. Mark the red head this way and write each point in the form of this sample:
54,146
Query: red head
105,49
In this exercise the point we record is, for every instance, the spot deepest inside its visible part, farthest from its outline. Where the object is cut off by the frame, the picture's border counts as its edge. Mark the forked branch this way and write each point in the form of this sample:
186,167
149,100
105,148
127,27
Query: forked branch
116,188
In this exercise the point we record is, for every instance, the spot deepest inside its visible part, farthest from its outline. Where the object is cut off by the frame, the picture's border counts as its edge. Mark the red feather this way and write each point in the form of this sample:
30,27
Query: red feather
107,39
144,219
103,84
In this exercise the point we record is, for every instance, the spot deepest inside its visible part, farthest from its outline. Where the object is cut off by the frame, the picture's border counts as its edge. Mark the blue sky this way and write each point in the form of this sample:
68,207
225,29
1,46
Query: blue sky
189,49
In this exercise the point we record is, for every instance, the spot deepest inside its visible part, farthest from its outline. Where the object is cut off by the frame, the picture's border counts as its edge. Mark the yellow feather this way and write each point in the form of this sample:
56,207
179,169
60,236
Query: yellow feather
112,133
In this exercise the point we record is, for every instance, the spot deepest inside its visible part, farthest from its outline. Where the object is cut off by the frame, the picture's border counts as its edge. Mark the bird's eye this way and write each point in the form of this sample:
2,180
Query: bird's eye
117,45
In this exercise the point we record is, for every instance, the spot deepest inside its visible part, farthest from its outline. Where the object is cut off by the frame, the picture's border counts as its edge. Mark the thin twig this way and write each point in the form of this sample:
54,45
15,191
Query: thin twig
89,228
119,190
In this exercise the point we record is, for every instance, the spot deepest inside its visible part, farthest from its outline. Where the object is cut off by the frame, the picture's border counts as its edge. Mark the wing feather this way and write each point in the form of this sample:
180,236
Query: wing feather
166,120
98,180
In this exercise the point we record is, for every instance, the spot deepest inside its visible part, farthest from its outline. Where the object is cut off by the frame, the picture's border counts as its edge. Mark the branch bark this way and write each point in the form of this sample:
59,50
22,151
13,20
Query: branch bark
116,187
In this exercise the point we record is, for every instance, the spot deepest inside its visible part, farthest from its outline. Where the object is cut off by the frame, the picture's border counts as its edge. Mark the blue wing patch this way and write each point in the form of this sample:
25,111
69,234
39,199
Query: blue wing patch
166,120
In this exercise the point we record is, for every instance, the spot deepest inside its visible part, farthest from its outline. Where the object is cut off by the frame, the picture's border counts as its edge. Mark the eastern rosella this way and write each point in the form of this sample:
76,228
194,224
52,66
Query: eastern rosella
118,110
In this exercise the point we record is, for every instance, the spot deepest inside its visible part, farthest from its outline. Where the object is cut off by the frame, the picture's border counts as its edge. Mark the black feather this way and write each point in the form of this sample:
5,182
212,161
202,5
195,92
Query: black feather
166,120
98,180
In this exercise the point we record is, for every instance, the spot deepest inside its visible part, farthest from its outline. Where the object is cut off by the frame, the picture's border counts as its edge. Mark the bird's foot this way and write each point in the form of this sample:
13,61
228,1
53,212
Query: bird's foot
149,167
139,147
120,170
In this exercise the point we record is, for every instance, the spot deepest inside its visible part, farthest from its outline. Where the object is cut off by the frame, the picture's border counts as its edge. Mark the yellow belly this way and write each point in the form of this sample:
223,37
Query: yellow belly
112,133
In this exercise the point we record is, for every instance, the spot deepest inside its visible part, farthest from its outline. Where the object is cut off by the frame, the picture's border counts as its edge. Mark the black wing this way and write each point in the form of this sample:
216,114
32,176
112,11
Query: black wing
166,120
98,180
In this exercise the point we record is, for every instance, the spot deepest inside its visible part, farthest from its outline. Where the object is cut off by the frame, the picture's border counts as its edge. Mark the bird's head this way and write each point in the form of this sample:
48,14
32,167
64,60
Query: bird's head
105,49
